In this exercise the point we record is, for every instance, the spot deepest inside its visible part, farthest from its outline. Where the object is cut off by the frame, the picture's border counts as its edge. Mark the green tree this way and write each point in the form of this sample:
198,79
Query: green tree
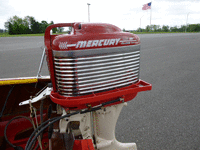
27,22
35,26
155,28
147,28
16,25
174,29
43,26
10,28
139,30
54,30
182,28
165,28
194,28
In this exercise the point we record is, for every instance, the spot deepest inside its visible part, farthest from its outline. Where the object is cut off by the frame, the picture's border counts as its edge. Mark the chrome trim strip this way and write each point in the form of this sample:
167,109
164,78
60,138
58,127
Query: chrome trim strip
91,80
81,86
100,71
98,68
105,88
98,64
99,61
95,57
83,78
97,51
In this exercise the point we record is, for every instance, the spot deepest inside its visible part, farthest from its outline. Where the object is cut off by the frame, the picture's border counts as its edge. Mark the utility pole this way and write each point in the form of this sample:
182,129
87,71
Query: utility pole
186,22
88,12
140,22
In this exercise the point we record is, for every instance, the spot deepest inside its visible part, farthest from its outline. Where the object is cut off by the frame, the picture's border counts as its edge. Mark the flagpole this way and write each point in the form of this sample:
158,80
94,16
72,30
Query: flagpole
151,13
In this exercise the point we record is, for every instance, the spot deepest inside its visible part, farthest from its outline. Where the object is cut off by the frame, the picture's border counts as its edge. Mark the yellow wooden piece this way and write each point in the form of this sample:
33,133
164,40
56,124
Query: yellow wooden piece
10,81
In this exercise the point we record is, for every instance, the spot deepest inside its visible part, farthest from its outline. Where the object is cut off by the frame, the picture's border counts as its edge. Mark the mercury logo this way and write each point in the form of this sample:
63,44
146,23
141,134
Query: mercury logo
95,43
90,43
63,45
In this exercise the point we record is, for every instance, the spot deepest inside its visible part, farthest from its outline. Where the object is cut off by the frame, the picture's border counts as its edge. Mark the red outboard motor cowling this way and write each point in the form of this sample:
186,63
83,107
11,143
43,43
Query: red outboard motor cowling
96,63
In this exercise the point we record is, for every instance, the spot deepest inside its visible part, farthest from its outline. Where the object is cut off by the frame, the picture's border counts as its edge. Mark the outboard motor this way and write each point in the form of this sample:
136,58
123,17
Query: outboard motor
95,70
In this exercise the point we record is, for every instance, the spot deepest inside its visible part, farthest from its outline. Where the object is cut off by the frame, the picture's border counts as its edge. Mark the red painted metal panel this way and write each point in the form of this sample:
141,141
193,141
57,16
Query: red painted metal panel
80,102
83,145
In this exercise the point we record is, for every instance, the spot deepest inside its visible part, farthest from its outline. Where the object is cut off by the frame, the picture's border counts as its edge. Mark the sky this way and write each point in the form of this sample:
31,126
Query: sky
126,14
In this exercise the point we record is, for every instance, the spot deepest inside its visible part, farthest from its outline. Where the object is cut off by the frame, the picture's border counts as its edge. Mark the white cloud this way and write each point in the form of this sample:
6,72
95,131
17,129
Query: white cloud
124,14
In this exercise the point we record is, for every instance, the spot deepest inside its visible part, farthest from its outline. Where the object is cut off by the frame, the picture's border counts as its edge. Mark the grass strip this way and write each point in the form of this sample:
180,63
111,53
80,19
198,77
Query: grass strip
20,35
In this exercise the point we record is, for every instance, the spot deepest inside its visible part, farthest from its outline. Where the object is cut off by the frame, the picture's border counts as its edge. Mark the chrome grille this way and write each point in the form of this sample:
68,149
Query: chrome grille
86,74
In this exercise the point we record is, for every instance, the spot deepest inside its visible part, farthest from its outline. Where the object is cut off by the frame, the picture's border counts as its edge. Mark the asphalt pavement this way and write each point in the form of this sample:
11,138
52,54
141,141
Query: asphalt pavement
168,116
20,56
165,118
